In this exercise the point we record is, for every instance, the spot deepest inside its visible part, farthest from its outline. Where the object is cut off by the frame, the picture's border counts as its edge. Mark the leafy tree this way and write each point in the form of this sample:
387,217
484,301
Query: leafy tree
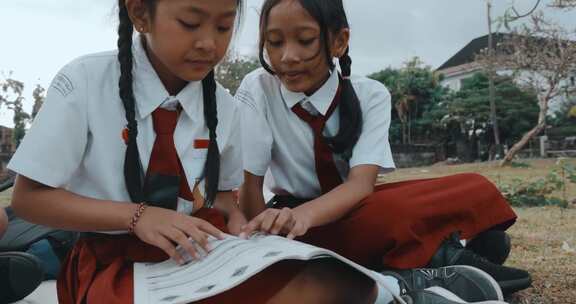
39,95
563,122
415,88
465,115
390,77
11,91
12,98
231,71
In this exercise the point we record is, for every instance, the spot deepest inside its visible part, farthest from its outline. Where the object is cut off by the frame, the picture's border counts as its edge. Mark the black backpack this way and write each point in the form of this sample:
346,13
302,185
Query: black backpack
21,234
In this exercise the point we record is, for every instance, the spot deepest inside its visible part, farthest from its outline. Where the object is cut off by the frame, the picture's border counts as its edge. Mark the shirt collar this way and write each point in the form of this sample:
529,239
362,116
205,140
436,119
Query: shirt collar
321,99
150,92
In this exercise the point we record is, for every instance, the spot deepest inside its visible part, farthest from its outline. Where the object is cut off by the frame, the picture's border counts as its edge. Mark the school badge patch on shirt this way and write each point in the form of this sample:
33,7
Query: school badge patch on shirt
63,84
201,143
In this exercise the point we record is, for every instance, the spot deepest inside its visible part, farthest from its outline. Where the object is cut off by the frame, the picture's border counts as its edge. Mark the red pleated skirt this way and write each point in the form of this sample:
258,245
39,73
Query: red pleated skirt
401,225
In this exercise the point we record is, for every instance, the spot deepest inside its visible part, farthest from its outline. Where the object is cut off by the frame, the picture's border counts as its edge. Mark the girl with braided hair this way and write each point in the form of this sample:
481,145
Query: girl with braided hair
320,135
137,148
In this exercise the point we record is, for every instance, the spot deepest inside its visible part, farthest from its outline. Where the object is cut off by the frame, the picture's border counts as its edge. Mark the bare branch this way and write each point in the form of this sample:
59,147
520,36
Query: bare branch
520,16
564,4
540,56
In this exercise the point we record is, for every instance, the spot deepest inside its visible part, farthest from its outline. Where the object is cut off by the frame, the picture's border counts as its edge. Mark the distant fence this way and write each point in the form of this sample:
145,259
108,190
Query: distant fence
557,147
417,155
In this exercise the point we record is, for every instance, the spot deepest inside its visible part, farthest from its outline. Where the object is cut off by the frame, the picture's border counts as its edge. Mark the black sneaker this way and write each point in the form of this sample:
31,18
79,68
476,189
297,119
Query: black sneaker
451,252
20,275
466,282
436,295
494,245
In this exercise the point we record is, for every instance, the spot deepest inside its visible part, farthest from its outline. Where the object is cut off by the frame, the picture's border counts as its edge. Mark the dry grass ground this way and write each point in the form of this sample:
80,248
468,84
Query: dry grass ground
537,168
544,242
544,239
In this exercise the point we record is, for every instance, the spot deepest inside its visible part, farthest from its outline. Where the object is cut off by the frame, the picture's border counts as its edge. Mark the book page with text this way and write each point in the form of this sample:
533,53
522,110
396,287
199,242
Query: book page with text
231,262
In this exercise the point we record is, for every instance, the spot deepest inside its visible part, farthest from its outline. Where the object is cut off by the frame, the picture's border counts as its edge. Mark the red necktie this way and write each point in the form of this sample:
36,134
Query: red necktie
165,179
326,170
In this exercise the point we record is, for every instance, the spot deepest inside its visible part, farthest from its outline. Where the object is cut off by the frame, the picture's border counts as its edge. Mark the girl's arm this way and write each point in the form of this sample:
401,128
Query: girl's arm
333,205
226,203
62,209
251,195
65,210
326,209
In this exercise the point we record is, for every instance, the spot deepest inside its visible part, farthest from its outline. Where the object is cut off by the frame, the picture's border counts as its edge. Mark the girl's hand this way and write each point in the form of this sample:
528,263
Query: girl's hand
236,221
164,228
292,222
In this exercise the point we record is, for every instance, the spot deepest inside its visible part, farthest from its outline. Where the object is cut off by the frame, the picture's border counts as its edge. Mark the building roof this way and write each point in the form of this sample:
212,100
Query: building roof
471,50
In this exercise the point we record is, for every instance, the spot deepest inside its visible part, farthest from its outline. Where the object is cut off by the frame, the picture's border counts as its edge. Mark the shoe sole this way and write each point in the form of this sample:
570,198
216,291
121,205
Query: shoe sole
25,273
512,286
452,297
486,276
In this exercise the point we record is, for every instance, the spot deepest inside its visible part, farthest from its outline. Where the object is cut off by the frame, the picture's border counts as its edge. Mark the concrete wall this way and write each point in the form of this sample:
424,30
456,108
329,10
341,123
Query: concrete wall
406,156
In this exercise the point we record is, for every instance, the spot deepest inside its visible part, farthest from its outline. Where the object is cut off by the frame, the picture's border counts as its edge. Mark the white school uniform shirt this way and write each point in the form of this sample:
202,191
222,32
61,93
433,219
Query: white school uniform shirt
275,139
75,141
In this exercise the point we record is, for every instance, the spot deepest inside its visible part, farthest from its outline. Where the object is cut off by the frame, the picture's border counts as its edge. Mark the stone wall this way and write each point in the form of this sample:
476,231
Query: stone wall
406,156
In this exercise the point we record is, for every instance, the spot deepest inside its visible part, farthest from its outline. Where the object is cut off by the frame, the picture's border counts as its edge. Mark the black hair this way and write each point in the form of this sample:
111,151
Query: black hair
133,171
331,18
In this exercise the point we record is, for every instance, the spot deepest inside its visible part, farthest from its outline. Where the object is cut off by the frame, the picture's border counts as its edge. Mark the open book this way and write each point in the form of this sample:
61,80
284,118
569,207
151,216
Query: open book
231,262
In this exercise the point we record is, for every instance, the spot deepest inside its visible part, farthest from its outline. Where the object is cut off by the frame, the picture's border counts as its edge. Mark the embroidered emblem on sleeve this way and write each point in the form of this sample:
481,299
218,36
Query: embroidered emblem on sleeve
246,98
62,84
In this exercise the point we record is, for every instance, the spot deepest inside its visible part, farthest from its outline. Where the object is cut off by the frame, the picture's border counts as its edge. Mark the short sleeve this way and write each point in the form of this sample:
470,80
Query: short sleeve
231,157
53,148
373,147
256,134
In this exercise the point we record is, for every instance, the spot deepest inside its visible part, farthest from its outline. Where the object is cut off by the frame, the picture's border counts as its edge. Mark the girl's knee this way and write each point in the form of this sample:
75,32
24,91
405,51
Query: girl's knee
343,283
472,177
479,180
327,281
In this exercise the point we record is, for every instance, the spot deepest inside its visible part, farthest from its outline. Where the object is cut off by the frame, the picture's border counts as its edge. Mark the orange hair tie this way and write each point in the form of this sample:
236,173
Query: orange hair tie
125,135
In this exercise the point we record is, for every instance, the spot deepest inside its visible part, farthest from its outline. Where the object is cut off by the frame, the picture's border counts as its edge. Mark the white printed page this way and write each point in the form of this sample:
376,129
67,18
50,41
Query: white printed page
231,262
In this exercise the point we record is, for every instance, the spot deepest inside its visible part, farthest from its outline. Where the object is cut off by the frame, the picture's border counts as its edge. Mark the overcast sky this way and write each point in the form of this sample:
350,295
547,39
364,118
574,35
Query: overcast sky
38,37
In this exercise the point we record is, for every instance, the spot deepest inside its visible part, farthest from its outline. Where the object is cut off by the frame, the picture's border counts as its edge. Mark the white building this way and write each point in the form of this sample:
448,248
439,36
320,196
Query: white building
463,65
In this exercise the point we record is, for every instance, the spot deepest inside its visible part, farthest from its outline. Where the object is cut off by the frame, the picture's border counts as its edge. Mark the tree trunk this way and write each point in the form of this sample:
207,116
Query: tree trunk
530,134
491,89
404,133
409,129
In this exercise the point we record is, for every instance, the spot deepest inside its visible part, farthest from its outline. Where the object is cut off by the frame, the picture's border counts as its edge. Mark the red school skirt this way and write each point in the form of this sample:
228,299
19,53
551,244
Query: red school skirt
99,270
402,225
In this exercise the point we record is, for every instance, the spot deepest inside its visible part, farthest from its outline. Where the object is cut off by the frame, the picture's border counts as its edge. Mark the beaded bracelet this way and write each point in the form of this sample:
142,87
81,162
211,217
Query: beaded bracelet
136,217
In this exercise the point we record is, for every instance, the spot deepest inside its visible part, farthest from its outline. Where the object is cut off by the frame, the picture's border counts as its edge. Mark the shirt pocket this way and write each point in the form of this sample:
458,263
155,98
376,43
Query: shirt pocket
194,163
199,153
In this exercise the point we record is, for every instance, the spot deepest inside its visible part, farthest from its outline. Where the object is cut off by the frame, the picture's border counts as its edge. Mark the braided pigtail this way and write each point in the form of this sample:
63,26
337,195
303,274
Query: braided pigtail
212,165
133,171
350,113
